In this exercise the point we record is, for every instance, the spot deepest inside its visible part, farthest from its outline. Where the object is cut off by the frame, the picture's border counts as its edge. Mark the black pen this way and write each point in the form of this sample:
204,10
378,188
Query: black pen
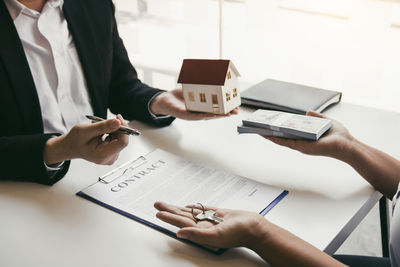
122,129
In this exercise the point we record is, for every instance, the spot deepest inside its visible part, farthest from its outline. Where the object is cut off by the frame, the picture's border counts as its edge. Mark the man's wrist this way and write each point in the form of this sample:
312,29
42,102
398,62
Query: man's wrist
348,150
354,151
55,151
259,233
155,107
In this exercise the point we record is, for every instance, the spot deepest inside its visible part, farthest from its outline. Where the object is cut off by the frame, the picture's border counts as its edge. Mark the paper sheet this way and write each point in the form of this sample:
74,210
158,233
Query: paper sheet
161,176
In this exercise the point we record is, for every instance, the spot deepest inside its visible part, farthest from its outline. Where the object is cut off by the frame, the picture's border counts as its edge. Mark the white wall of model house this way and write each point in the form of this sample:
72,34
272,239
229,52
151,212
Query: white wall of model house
213,98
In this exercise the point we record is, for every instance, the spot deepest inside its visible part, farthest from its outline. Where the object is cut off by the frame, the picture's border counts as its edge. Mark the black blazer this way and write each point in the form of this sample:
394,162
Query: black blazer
111,80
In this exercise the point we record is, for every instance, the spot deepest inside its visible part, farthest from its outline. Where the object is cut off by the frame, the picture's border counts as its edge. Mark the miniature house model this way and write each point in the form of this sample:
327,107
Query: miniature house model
210,85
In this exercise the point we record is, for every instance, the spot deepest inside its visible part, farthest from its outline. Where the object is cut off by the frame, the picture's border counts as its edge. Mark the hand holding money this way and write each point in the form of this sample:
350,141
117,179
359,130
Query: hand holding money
334,143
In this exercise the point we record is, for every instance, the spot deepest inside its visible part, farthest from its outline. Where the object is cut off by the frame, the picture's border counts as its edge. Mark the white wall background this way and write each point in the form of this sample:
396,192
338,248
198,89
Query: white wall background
347,45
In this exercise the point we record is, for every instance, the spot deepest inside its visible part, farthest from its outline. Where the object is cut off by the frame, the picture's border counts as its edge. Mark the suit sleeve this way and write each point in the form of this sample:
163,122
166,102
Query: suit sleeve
21,159
128,95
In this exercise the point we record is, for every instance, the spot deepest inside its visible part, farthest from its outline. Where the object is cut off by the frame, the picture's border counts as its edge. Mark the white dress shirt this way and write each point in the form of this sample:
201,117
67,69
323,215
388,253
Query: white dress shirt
55,66
54,63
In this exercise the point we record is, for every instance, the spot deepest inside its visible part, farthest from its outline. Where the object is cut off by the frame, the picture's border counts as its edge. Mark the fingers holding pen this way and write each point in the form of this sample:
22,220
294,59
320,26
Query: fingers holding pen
122,120
109,149
122,138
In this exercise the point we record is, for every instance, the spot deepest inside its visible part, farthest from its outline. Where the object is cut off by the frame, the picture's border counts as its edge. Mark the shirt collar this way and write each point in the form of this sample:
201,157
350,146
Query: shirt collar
56,3
16,8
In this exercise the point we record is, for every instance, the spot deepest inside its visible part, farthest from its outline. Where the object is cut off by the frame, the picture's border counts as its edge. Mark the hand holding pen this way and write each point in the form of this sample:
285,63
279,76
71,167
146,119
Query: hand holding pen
98,142
123,129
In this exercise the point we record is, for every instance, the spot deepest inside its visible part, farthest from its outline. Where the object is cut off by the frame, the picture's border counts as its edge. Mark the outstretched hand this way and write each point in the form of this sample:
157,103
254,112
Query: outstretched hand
87,141
172,103
332,144
245,229
238,228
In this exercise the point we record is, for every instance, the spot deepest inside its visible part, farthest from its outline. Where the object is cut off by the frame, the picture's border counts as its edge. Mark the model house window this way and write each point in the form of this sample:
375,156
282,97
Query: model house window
214,100
191,96
234,92
228,97
229,75
202,97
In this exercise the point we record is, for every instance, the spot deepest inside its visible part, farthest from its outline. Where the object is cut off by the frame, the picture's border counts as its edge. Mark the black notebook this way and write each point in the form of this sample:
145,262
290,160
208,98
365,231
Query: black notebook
289,97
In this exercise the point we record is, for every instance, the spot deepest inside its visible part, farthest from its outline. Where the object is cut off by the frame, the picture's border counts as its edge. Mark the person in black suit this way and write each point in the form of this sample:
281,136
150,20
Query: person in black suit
27,151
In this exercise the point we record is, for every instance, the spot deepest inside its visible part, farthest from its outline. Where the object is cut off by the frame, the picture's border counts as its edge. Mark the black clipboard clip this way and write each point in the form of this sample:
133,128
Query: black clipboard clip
122,170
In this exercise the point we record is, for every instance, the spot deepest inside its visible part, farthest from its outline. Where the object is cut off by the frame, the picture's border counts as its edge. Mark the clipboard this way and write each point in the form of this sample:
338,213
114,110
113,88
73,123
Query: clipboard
122,170
130,166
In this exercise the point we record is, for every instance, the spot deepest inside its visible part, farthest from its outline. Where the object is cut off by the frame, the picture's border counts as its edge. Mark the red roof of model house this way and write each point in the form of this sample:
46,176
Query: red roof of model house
205,71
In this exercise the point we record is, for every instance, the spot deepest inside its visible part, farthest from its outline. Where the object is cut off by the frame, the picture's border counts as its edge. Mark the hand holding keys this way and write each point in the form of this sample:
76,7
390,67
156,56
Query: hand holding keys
206,215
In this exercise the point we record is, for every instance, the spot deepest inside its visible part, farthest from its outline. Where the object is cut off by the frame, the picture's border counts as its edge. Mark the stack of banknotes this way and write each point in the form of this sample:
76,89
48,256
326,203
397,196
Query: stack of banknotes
285,125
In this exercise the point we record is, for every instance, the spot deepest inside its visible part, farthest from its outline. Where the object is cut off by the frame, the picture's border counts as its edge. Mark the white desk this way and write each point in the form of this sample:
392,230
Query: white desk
50,226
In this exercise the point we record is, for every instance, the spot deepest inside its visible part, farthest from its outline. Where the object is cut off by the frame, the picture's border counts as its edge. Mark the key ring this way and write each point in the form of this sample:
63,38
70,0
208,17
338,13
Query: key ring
202,207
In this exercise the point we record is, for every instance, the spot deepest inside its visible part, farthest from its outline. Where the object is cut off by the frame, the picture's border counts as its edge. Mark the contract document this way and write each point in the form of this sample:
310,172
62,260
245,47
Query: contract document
132,189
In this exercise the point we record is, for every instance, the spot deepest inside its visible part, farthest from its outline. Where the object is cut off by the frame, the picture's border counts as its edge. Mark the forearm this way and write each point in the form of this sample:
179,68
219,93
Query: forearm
278,247
56,151
379,169
22,159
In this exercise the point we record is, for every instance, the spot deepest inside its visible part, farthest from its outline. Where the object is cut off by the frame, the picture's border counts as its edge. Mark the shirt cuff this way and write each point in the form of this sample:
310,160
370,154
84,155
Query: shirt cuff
151,113
53,167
